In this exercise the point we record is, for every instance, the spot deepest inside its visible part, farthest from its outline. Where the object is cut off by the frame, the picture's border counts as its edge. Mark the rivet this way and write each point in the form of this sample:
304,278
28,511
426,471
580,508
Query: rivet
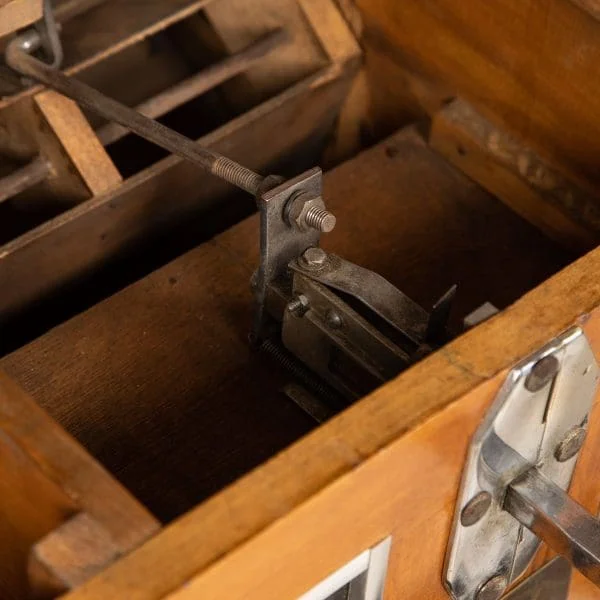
315,257
570,445
333,319
475,509
493,588
542,373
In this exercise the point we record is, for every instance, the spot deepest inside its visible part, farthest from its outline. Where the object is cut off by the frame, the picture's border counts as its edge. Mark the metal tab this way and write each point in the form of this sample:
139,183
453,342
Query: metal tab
551,582
544,399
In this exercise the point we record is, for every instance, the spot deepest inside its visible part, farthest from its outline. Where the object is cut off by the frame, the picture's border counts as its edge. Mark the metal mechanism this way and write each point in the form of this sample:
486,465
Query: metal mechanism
348,325
520,462
551,582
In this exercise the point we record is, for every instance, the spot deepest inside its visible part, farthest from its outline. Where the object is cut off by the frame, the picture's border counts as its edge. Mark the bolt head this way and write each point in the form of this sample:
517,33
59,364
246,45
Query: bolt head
475,509
542,373
315,257
570,445
493,588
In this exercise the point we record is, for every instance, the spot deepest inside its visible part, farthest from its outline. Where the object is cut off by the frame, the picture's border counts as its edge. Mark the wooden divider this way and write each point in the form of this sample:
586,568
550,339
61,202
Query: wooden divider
47,481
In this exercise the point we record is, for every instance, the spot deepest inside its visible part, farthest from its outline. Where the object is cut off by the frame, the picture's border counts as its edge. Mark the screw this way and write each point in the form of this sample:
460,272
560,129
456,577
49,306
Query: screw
570,445
493,588
299,305
333,319
542,373
320,219
475,509
315,257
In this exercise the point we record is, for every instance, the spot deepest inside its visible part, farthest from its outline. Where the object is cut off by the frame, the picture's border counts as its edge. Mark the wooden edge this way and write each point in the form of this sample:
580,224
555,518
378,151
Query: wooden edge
134,38
69,466
78,142
592,7
70,555
331,30
516,175
235,525
15,14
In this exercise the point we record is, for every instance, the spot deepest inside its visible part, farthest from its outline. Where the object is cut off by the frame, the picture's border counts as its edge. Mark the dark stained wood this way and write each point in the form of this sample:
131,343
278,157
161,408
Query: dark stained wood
79,241
158,381
516,175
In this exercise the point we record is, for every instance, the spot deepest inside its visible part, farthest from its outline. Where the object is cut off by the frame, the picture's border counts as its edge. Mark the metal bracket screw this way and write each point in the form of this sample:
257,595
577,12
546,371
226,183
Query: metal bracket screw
493,588
570,445
334,320
475,509
542,373
307,211
298,306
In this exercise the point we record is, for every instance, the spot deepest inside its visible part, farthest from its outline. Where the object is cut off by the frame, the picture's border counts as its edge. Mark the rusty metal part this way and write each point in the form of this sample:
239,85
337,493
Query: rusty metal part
307,211
17,58
199,83
24,178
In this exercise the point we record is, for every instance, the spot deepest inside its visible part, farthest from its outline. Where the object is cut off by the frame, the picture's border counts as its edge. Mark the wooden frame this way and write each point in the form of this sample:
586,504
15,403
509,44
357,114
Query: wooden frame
375,470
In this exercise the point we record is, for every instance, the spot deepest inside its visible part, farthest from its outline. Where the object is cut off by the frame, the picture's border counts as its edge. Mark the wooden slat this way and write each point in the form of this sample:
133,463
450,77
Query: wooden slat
524,64
82,239
412,213
47,478
517,176
110,28
15,14
78,142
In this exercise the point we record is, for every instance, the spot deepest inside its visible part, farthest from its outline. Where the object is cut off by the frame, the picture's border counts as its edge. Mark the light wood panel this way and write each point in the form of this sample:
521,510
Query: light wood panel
15,14
524,63
46,479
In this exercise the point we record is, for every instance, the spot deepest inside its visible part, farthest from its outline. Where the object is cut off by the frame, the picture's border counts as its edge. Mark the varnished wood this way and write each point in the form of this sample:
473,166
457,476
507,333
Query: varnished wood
516,175
15,14
523,64
189,329
48,478
390,464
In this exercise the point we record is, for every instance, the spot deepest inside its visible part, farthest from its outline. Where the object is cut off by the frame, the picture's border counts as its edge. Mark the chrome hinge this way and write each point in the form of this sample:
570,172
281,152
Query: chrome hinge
520,462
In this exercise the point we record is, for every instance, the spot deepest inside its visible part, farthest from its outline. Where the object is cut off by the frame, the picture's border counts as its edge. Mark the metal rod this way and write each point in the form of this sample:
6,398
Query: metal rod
18,59
198,84
24,178
565,526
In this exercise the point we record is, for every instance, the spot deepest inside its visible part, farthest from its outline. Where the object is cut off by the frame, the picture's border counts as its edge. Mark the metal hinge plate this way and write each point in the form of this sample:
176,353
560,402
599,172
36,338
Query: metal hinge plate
538,419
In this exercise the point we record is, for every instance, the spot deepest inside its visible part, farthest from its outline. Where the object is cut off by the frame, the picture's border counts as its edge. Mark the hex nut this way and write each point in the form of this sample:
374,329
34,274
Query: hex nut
298,207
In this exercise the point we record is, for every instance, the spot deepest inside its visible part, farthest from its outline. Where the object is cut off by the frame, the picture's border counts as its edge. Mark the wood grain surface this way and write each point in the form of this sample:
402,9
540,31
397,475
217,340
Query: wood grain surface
391,464
524,63
158,381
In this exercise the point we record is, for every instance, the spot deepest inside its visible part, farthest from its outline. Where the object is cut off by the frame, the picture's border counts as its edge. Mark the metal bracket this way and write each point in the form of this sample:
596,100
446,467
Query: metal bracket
534,429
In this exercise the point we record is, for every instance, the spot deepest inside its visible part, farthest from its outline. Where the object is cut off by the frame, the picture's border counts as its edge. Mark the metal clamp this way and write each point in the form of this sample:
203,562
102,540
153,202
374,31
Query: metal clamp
520,462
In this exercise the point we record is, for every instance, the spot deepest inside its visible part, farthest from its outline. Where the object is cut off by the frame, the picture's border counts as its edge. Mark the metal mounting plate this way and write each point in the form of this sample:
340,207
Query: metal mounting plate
524,427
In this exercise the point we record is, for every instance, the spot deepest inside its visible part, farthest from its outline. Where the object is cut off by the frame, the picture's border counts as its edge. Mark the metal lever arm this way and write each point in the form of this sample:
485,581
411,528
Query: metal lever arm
17,58
547,510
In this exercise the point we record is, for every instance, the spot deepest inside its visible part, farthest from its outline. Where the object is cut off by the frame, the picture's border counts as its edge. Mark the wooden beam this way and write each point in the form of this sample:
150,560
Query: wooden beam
15,14
52,126
517,176
524,64
48,478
